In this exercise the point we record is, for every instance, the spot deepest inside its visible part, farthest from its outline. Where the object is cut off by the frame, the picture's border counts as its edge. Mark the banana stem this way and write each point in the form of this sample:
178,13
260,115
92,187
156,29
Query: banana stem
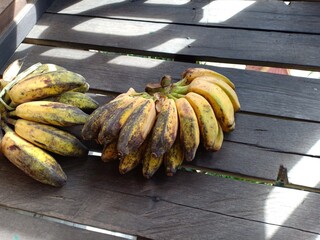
177,95
11,121
12,114
182,82
180,89
5,127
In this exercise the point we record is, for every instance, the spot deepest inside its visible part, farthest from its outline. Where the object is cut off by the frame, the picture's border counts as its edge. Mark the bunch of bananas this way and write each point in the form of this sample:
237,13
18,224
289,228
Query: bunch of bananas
35,106
165,124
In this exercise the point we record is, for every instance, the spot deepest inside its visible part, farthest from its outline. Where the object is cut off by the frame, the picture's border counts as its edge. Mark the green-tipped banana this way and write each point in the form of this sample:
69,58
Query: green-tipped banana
76,99
45,85
45,68
32,160
52,113
50,138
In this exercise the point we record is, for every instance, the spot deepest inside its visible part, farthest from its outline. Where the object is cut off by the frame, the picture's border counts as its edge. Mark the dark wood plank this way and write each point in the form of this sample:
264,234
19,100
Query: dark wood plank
170,40
258,146
19,225
18,29
186,206
258,92
264,15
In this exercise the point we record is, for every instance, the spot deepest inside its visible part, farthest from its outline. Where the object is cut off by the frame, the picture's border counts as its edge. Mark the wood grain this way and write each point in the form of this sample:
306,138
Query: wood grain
171,40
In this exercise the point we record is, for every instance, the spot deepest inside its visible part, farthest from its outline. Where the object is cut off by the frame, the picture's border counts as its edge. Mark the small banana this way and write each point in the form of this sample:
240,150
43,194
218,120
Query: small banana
206,119
189,128
91,128
165,128
32,160
150,163
219,140
219,101
77,99
137,127
50,138
225,87
191,73
45,68
109,152
132,160
173,158
112,124
45,85
52,113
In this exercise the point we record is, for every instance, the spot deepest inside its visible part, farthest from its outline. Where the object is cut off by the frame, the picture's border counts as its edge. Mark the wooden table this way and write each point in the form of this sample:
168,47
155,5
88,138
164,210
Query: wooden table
239,192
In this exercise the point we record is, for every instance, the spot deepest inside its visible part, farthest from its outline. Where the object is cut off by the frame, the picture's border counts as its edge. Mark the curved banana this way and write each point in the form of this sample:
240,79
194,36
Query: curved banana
191,73
132,160
137,127
32,160
45,85
52,113
225,87
50,138
91,128
45,68
219,140
76,99
189,128
219,101
109,152
165,128
206,118
112,125
150,163
173,158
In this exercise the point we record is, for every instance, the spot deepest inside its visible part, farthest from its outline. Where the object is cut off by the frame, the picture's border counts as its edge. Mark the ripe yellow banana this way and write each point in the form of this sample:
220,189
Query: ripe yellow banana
219,140
150,163
191,73
91,128
189,128
109,152
77,99
173,158
50,138
112,124
132,160
219,101
225,87
52,113
206,119
137,127
32,160
165,128
45,85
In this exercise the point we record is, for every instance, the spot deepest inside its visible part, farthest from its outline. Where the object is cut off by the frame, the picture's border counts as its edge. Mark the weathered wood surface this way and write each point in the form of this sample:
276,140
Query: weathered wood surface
260,143
186,206
17,225
263,15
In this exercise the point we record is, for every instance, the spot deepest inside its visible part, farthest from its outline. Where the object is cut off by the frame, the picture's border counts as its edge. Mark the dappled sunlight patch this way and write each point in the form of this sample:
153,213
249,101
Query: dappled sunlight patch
66,53
174,45
132,62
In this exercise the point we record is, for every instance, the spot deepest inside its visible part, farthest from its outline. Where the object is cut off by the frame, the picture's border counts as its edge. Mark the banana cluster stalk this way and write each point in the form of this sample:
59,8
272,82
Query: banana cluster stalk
165,125
36,105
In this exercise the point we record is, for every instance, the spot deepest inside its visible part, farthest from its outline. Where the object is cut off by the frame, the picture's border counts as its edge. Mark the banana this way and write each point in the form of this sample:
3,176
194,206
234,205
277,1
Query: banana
77,99
45,68
50,138
109,152
132,160
219,101
91,128
206,119
52,113
189,128
32,160
173,158
45,85
165,128
113,123
191,73
150,163
137,127
225,87
219,140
